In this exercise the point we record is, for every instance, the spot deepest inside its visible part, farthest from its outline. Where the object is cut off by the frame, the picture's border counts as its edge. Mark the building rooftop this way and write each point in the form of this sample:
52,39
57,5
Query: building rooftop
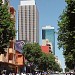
27,2
48,27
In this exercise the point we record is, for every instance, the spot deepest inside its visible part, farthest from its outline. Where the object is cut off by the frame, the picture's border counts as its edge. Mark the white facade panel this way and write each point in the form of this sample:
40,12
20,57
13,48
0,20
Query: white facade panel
48,27
27,2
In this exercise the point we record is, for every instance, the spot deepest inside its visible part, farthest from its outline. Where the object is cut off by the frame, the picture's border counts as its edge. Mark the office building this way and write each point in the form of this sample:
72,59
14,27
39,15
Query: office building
28,21
48,37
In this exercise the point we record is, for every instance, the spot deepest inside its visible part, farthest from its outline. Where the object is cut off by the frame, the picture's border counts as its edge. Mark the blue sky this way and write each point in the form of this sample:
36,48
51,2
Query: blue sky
49,12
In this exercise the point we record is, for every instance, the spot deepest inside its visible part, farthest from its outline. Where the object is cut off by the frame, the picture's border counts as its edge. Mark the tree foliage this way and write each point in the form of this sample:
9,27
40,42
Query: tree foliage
32,52
47,62
66,69
66,33
7,31
53,65
42,61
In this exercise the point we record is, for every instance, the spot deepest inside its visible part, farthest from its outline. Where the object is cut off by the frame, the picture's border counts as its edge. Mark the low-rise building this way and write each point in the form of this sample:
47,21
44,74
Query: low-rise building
20,60
12,60
7,60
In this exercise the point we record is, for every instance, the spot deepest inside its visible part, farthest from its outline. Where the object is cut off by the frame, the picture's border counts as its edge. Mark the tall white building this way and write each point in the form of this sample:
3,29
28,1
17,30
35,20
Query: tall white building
28,21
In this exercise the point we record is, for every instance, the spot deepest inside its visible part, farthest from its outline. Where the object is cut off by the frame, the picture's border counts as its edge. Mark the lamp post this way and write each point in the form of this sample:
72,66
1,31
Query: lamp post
29,65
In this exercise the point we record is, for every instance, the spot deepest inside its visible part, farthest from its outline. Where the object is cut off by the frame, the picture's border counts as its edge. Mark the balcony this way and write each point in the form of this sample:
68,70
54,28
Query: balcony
3,58
11,61
19,60
11,50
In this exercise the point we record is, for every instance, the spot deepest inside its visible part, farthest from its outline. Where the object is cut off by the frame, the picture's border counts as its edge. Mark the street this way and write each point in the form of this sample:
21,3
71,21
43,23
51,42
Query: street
61,74
57,74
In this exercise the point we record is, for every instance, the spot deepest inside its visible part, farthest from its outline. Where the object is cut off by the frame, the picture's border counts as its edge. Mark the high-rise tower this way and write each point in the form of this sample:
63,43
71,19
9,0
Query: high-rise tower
48,37
28,21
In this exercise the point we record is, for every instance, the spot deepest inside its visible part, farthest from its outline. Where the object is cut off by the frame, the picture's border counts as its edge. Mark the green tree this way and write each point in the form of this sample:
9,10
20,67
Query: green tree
43,62
51,60
52,64
40,60
32,52
56,67
66,69
47,62
7,31
66,33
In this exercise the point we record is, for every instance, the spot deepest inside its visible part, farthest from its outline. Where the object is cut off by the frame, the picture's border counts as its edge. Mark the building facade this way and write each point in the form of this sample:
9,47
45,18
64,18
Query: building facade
28,21
12,61
45,49
48,37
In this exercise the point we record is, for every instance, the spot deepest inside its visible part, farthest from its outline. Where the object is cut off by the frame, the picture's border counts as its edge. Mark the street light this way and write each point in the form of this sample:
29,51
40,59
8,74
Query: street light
29,64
